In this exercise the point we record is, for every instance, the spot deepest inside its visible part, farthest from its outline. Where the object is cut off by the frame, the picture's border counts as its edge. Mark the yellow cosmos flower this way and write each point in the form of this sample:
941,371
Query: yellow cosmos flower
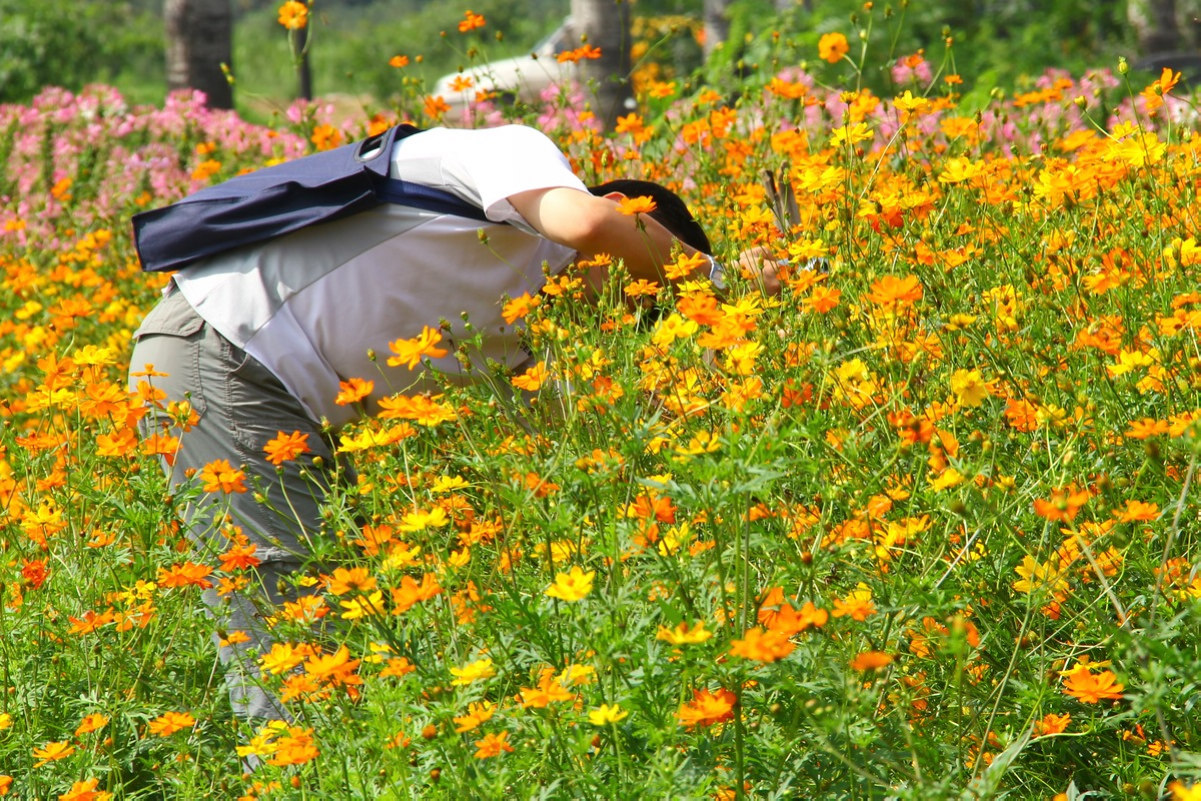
683,634
970,388
573,586
356,608
472,672
605,714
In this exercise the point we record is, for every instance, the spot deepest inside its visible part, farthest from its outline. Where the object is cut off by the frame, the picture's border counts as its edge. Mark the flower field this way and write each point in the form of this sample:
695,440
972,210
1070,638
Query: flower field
925,525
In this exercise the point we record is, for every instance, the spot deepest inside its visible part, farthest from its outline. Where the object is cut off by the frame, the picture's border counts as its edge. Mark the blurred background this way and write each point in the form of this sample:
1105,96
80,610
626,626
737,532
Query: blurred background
143,47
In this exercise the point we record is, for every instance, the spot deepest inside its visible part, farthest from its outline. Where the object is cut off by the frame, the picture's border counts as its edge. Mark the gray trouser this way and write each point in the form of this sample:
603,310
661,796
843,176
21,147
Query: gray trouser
241,406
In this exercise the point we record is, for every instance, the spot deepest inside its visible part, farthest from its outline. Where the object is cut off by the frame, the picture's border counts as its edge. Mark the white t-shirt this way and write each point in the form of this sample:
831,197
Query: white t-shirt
313,304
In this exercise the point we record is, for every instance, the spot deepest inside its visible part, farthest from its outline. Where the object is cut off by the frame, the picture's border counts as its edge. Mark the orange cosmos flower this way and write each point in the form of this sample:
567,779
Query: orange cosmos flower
294,748
1147,427
658,507
492,745
471,21
424,410
186,574
398,61
293,15
762,646
1084,685
240,556
1136,511
631,206
346,579
398,667
583,52
91,723
1021,414
409,351
334,669
517,308
707,708
353,391
286,447
822,299
236,638
326,137
832,47
410,592
857,605
783,618
890,290
871,660
51,752
630,123
641,287
220,476
162,445
1051,724
478,713
85,791
532,379
548,691
435,106
686,265
1155,91
1063,504
90,622
168,723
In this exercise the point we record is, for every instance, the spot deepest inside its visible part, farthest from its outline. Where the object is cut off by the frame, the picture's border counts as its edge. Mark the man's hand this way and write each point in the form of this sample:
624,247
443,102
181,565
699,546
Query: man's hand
762,265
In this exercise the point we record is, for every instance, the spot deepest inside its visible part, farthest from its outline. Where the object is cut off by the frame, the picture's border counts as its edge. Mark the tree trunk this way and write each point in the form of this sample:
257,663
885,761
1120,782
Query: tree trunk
717,24
605,24
199,41
1155,23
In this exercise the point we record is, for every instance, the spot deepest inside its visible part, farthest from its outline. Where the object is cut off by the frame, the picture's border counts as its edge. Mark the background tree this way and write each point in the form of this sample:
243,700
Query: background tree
717,24
1165,26
70,44
606,24
199,41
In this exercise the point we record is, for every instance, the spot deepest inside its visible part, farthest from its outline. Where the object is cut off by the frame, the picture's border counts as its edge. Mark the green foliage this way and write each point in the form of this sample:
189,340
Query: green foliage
350,46
1011,41
71,44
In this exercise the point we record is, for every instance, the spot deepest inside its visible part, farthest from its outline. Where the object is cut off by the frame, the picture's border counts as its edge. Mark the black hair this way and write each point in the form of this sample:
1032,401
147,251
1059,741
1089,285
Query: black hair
670,211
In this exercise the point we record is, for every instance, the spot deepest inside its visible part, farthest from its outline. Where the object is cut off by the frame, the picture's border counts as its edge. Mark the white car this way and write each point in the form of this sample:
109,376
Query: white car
512,79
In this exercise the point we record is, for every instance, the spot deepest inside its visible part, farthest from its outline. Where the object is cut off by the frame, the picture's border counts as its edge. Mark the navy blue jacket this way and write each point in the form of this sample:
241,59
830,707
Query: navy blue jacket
277,200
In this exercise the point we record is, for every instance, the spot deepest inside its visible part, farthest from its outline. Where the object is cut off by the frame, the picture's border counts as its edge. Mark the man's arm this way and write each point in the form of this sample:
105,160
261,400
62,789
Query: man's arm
593,225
